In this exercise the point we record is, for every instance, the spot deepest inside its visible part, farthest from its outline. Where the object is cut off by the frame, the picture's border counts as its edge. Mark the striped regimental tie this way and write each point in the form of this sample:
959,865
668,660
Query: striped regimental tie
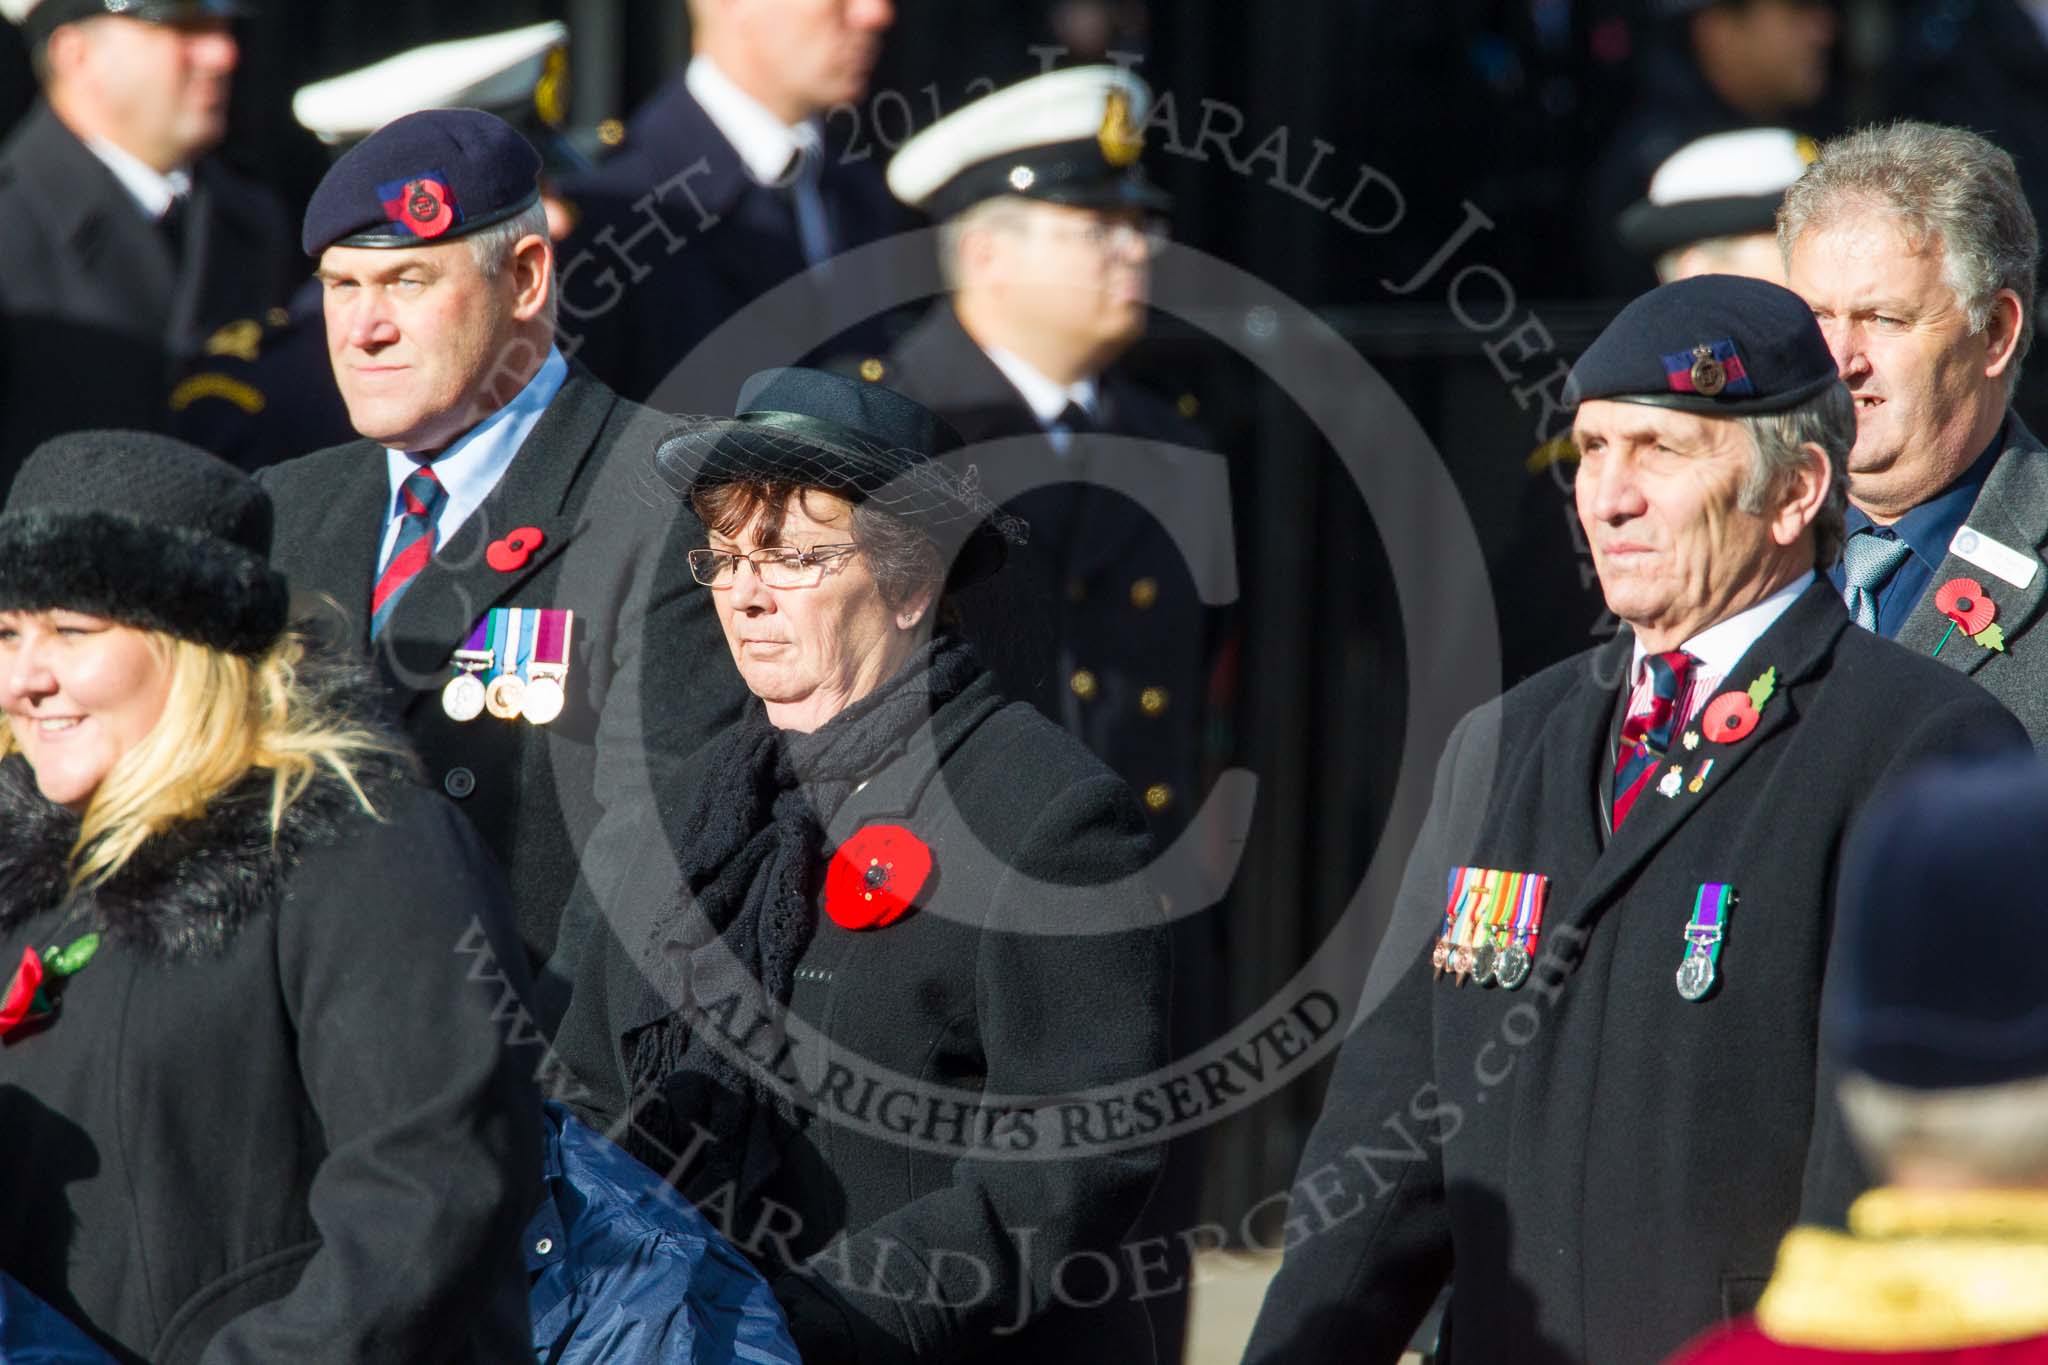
1646,734
422,497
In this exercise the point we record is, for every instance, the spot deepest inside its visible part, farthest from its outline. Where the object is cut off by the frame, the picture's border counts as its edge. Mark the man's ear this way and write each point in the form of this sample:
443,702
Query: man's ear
2002,334
533,272
1805,492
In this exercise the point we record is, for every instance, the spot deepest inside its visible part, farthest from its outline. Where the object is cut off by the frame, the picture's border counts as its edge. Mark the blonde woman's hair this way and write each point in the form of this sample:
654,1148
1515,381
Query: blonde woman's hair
225,717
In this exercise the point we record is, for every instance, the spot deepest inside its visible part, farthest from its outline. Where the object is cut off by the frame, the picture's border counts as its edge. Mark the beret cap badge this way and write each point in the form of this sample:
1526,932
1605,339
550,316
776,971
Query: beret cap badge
1709,369
1708,377
422,204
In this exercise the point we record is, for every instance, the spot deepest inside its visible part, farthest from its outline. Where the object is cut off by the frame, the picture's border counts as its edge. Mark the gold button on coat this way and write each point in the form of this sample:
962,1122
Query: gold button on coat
1144,593
1158,796
1152,701
1083,683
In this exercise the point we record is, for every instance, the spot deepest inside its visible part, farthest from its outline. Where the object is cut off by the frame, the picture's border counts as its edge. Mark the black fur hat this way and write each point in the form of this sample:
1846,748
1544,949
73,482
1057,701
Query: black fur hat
147,531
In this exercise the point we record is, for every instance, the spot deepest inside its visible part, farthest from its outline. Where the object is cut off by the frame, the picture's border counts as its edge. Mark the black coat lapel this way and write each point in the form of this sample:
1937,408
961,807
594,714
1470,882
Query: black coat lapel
1577,749
1797,644
459,585
2012,508
345,542
93,212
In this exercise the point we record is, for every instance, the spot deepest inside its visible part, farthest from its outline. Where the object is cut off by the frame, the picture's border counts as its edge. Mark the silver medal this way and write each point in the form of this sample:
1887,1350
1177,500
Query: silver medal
463,698
1513,967
543,700
1695,975
1483,963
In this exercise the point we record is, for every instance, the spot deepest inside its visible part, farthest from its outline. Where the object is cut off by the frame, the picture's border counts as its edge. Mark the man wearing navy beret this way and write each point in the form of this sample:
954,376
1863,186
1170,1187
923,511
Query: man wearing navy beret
1585,1086
127,245
1916,248
489,541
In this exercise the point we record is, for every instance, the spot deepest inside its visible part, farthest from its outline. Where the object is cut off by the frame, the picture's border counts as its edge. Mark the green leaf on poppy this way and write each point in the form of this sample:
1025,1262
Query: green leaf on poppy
65,961
1760,690
1991,637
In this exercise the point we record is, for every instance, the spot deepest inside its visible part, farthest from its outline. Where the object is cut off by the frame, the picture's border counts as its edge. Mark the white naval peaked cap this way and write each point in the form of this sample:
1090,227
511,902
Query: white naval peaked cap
1071,136
497,71
1722,185
1748,161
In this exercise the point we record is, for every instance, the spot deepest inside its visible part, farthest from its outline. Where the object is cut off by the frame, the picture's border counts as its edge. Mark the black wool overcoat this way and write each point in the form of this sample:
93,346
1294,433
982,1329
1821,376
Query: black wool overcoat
650,677
1600,1167
272,1119
1035,969
99,309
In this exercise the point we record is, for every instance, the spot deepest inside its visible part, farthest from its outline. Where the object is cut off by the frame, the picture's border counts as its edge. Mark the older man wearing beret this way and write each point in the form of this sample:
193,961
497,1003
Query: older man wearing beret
488,541
1584,1086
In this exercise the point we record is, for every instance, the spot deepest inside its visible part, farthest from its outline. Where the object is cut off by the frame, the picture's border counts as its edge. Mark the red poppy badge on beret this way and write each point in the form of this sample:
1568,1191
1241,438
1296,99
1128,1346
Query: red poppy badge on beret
875,876
422,204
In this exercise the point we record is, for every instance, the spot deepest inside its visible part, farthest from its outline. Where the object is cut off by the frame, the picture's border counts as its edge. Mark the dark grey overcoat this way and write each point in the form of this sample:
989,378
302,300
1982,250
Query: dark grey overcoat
1600,1167
650,678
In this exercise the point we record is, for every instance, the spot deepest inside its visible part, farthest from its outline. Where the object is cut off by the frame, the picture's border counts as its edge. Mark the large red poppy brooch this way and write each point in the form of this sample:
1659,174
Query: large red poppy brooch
31,995
875,876
1963,602
1732,715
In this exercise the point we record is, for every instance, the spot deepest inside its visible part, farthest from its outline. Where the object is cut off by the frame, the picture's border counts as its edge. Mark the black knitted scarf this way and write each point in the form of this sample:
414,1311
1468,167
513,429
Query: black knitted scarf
752,858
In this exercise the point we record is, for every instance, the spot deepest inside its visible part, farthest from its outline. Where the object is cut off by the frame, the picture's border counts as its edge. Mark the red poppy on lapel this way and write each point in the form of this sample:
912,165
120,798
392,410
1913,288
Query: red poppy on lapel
875,875
1730,717
1962,601
510,554
20,998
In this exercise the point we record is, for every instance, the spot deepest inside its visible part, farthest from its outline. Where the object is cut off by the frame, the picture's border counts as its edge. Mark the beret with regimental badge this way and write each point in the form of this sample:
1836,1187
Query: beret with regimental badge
1722,345
429,177
1940,917
1066,137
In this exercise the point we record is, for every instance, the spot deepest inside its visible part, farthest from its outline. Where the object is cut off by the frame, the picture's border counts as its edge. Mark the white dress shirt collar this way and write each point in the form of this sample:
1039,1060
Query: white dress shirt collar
1721,646
1046,398
149,187
765,143
471,467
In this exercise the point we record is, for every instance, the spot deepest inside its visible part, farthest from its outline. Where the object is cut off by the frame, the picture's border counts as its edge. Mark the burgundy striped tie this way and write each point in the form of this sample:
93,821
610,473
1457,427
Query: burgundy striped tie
423,497
1646,734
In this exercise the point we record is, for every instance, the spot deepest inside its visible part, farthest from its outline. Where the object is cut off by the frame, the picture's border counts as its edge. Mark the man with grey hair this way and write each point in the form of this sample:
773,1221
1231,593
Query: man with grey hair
487,541
1916,249
1945,1091
1585,1084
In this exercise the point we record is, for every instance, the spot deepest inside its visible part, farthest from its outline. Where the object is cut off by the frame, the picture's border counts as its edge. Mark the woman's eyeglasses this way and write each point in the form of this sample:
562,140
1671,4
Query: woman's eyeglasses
777,566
